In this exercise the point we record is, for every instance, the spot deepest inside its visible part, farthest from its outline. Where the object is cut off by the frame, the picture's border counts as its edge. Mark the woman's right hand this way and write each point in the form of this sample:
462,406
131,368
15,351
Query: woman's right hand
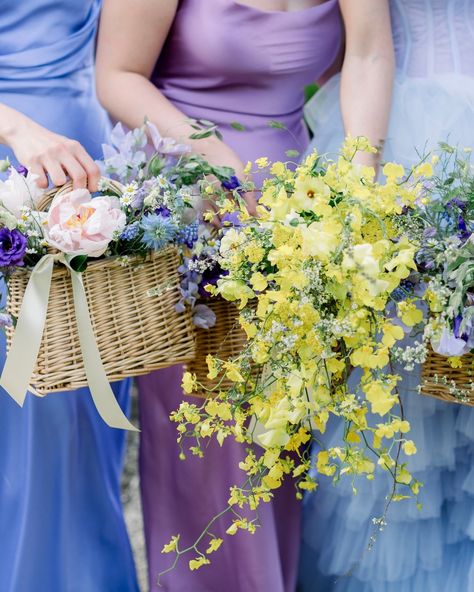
46,153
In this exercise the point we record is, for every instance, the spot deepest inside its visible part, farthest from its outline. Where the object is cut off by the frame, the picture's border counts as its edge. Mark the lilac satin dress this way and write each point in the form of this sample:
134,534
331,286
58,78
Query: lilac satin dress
228,62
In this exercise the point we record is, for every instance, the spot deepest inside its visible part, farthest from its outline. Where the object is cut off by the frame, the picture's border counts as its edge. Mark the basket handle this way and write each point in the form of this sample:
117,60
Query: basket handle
47,198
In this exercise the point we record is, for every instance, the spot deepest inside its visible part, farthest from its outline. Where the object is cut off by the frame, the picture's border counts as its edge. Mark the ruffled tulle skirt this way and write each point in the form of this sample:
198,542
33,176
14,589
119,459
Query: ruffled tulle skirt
427,550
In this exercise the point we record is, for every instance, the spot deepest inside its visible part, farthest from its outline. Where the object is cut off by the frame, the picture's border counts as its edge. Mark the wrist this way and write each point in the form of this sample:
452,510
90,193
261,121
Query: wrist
12,123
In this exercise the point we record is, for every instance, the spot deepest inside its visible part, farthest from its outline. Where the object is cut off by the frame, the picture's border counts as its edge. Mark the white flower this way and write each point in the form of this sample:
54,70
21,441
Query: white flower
18,191
128,194
7,219
230,241
151,200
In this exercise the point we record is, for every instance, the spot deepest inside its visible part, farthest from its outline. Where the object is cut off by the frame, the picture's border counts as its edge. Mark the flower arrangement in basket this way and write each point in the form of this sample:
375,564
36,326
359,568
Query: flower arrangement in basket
321,262
442,223
218,331
93,281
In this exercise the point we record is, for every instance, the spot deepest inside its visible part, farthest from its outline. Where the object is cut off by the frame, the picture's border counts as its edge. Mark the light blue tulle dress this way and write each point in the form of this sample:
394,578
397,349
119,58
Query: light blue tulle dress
431,550
61,521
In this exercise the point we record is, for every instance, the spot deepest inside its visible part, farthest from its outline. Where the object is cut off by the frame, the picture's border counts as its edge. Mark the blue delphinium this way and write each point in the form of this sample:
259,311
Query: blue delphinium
158,231
130,231
189,235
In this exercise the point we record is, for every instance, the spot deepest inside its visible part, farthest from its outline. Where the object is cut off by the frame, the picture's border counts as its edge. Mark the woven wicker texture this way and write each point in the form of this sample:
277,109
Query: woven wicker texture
453,385
135,333
224,341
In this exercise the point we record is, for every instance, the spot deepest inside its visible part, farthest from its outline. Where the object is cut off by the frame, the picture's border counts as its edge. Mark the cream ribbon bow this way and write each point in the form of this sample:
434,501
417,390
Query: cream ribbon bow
26,342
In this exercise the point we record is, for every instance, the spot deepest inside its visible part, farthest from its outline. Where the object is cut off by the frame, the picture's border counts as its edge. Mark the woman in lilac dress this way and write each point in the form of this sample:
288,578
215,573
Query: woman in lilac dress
223,61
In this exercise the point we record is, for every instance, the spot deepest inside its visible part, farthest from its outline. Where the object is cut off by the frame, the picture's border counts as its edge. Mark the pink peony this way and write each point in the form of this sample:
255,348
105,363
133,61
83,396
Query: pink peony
79,225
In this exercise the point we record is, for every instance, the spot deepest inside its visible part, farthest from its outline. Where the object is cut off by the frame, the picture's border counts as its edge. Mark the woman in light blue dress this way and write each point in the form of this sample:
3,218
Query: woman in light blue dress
61,521
431,550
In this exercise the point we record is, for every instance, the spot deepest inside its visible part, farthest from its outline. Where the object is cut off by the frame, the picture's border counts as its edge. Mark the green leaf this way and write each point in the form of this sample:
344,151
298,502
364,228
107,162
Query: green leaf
200,135
446,147
276,124
238,126
156,166
79,263
310,91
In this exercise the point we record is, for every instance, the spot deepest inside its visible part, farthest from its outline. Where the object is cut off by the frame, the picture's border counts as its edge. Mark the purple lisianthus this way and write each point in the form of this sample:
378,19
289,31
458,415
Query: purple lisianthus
464,329
163,211
231,184
457,328
22,170
12,247
210,277
463,232
456,202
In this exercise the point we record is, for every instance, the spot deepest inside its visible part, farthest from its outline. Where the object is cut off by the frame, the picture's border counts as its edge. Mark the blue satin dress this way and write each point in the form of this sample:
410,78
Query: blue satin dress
61,520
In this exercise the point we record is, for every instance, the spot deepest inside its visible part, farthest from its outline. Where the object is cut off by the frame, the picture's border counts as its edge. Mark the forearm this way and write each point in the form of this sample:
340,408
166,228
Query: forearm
130,98
367,73
10,122
366,92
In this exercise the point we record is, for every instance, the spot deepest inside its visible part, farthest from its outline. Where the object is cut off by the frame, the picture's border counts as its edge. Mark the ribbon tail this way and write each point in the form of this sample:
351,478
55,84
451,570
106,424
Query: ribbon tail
25,346
102,394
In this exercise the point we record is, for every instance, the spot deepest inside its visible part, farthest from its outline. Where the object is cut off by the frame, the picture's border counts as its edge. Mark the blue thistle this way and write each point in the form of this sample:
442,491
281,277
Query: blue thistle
158,231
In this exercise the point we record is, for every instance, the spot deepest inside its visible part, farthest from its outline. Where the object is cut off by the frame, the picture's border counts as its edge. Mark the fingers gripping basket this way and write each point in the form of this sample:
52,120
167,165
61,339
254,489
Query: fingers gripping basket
453,385
135,332
225,340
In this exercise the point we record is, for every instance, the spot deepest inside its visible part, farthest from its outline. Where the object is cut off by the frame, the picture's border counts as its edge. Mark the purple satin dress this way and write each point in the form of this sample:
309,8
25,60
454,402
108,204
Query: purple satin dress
227,62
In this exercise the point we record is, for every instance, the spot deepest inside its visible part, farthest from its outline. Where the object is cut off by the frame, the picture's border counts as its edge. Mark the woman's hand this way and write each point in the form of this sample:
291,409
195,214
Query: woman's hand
47,154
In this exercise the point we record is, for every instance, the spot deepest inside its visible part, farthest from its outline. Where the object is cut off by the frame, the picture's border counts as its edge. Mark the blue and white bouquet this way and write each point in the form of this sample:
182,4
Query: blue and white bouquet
163,182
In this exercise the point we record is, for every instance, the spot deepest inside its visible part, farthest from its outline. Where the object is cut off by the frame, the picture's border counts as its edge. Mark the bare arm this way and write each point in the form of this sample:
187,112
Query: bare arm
367,72
131,38
46,153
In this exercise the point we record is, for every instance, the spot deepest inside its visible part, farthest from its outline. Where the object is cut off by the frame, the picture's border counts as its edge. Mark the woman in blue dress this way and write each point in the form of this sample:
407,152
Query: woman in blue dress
61,520
431,550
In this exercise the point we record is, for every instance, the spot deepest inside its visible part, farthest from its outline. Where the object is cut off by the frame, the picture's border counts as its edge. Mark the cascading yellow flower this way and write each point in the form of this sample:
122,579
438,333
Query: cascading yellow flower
319,263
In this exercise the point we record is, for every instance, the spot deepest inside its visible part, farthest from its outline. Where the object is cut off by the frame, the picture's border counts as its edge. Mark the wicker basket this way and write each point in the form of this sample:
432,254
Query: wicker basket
453,385
225,340
135,333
